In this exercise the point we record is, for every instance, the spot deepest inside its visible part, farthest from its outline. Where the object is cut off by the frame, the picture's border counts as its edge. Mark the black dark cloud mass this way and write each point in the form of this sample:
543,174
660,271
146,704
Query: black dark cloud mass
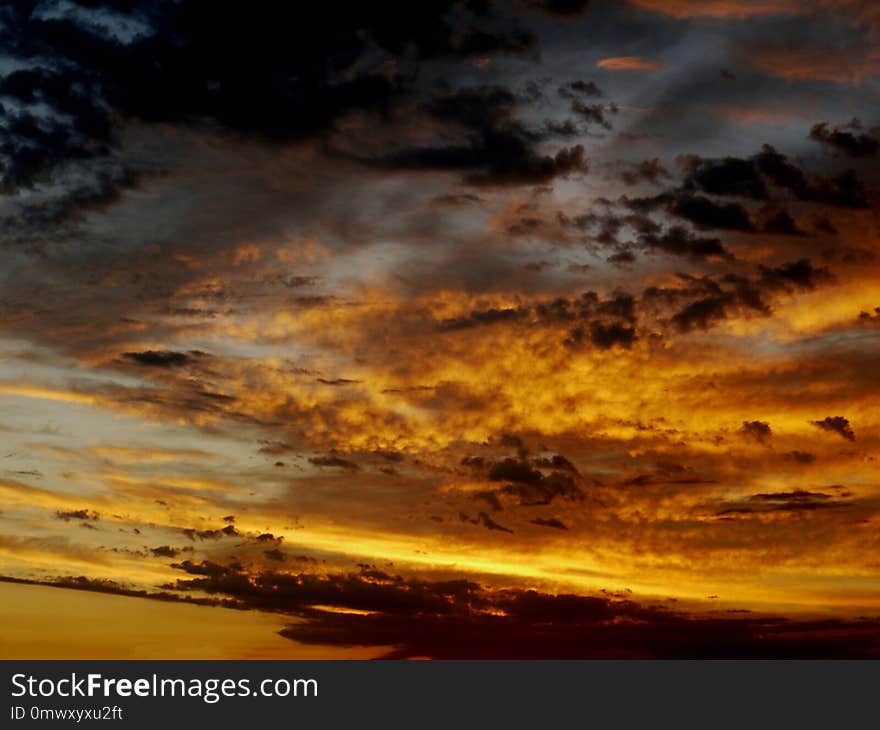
709,300
334,461
166,551
77,514
211,534
651,171
564,8
162,358
496,149
79,76
756,176
838,425
781,503
486,521
848,139
530,482
458,619
679,241
549,522
758,430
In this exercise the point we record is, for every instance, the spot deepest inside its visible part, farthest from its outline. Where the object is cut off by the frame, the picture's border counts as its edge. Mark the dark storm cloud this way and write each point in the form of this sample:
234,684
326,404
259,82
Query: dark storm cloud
209,568
791,502
868,318
621,259
104,189
714,300
838,425
579,88
699,302
268,537
593,113
526,481
78,514
557,461
800,274
166,551
847,139
334,461
549,522
801,457
704,301
162,358
462,619
484,317
496,147
603,335
752,178
780,222
707,214
651,171
202,63
759,431
600,322
228,531
678,241
530,481
105,585
483,519
559,8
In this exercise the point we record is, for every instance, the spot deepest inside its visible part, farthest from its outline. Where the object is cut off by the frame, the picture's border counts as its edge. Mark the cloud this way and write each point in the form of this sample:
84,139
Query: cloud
706,214
750,177
67,112
603,335
838,425
629,63
791,502
211,534
678,241
334,461
483,519
801,457
814,63
549,522
166,551
850,143
579,88
725,9
651,171
559,8
78,514
710,301
162,358
445,273
497,148
526,481
462,619
759,431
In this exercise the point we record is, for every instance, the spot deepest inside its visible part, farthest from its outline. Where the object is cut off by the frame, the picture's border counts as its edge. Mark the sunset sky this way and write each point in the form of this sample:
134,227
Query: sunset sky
541,328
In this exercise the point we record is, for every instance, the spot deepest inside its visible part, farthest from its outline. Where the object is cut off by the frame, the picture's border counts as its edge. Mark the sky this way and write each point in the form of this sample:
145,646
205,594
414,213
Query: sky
481,329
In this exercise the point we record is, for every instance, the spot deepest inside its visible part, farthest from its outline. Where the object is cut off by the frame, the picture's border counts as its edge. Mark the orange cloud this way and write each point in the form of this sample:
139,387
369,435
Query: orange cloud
630,63
727,9
849,66
759,116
